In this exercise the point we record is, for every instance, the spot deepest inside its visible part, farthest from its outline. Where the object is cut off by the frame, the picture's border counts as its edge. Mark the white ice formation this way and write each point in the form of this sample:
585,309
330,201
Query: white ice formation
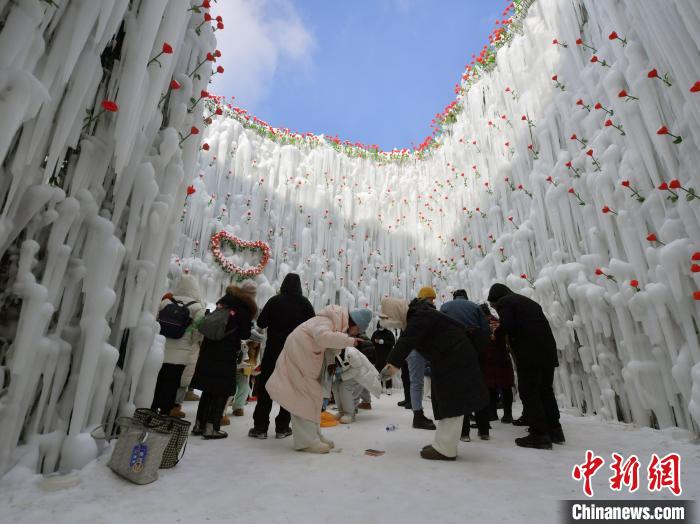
89,219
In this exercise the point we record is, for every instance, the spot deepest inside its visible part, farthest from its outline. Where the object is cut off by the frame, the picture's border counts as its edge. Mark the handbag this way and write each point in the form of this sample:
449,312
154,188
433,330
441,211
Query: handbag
138,452
177,428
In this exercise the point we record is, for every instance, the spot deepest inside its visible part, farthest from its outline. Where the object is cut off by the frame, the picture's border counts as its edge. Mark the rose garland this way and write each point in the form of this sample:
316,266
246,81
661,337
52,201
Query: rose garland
238,245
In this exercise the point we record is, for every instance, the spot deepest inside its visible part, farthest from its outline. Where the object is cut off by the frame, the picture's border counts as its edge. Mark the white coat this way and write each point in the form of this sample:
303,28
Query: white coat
356,366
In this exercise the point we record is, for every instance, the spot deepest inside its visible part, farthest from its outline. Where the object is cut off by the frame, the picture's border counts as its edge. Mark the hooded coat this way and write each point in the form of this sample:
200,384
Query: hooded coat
177,350
296,382
280,316
215,371
528,330
354,365
383,340
457,385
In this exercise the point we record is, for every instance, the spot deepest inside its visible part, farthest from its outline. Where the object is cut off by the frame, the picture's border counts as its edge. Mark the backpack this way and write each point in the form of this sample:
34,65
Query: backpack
213,325
174,319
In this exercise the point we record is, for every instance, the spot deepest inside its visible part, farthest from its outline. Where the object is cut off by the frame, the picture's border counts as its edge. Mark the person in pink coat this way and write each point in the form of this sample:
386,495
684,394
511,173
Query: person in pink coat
297,382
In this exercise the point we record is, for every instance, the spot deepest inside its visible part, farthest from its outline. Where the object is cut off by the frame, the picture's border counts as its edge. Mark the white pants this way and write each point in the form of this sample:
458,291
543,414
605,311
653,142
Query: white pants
346,394
447,435
305,432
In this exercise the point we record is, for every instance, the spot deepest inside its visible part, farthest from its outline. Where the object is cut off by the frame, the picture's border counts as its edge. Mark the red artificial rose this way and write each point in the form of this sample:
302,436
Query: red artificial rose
510,219
174,84
574,137
695,268
663,186
663,130
634,283
571,190
218,111
696,295
589,152
608,123
696,256
579,41
579,102
674,184
554,78
549,178
220,69
598,105
523,117
555,41
205,4
606,209
205,146
507,144
568,164
191,190
194,130
204,94
211,57
109,105
598,271
625,183
523,275
217,53
612,36
207,17
622,94
594,59
530,146
167,48
219,25
653,73
219,19
695,88
651,237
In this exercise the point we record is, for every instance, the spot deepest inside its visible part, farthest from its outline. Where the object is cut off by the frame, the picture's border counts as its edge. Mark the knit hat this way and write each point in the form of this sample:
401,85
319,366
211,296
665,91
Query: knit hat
249,287
362,318
426,292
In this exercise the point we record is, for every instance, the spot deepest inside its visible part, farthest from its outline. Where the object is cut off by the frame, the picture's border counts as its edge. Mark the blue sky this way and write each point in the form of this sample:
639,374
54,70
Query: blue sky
374,71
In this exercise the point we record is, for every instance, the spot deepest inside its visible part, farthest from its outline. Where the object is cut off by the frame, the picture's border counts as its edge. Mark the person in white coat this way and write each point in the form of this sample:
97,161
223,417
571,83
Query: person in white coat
177,350
354,374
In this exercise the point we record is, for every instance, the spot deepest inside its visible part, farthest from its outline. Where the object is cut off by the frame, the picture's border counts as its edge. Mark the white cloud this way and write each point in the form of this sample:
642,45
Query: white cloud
259,37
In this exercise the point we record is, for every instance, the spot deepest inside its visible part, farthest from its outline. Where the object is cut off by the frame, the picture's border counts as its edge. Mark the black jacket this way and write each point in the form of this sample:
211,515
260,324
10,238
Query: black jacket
215,371
523,320
382,349
281,315
457,382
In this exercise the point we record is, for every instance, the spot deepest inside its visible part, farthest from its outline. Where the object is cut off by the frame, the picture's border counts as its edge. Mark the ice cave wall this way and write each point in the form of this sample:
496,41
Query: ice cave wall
510,196
89,210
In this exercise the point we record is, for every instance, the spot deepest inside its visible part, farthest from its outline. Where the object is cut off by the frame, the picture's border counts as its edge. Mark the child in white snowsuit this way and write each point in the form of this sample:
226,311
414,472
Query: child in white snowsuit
354,374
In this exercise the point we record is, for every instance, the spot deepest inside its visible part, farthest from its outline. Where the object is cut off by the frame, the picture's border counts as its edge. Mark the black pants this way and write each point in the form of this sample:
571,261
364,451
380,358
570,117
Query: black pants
211,409
506,397
406,381
482,421
261,415
537,394
166,387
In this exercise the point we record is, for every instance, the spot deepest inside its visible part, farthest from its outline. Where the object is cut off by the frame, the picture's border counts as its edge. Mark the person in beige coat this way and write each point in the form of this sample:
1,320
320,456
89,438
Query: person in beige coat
296,383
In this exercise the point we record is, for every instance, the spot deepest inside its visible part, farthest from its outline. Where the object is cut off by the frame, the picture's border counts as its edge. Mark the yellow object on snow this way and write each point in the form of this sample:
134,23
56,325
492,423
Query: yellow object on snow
328,420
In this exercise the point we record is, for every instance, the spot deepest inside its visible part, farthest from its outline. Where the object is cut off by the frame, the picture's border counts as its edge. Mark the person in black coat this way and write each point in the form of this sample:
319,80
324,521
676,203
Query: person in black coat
280,316
383,340
535,351
457,385
215,372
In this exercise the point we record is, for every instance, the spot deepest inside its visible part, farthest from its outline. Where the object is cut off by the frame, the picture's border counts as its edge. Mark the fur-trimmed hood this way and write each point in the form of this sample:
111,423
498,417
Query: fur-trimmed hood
235,294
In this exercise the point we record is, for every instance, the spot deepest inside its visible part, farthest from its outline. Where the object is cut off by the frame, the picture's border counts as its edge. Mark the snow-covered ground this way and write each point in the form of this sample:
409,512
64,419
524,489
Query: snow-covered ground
244,480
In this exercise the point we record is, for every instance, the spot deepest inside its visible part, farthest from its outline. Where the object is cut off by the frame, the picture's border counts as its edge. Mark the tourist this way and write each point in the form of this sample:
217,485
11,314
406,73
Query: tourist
354,375
457,384
280,316
498,372
297,382
383,340
535,351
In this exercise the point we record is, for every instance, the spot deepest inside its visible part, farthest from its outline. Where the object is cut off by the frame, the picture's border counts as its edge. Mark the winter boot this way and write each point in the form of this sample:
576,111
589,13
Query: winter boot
420,421
522,421
326,441
533,440
225,421
279,434
484,435
364,405
403,402
507,418
177,412
258,433
557,435
347,419
210,433
197,429
238,412
465,436
430,453
191,396
317,447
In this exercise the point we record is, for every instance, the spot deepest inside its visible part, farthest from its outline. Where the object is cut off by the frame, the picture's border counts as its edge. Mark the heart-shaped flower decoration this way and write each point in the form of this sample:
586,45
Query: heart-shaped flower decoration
238,245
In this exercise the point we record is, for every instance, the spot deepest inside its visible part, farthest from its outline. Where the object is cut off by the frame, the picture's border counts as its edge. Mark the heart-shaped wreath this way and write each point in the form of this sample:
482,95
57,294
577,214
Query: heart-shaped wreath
238,245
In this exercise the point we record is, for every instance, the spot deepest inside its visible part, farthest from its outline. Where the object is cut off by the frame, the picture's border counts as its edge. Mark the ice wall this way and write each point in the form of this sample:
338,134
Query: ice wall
510,196
90,196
